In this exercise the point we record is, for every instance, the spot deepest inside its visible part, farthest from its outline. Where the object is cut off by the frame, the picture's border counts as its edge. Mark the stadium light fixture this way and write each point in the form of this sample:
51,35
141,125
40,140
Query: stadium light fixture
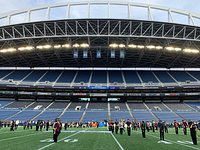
39,47
187,50
122,46
76,45
132,46
177,49
114,45
159,47
140,46
57,46
8,50
43,46
169,48
151,46
66,45
27,48
84,45
47,46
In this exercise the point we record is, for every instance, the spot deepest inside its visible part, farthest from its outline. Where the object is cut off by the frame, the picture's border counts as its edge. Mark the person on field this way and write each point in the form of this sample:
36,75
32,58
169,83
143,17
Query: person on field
162,125
128,123
176,126
116,126
121,126
56,130
193,132
184,126
143,128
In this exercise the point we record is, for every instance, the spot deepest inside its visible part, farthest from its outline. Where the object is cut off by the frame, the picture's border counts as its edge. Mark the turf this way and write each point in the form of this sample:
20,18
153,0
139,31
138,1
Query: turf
76,140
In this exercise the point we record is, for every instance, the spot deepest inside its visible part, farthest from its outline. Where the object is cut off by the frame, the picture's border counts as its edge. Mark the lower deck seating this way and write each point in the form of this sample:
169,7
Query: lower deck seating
95,116
101,111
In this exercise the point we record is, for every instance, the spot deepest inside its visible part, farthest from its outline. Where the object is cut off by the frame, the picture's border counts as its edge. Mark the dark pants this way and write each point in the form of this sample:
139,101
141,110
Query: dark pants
153,128
129,131
116,129
185,131
55,137
176,130
162,136
194,138
143,134
121,131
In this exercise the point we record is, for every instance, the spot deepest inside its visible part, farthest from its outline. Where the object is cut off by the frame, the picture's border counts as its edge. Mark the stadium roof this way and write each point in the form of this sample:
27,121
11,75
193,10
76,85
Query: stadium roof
122,34
100,9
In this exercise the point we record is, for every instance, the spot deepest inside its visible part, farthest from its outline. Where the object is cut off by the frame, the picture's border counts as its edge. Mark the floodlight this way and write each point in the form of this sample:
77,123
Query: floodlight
47,46
159,47
39,47
122,46
187,50
11,49
66,45
57,46
177,49
151,47
132,46
140,46
76,45
169,48
26,48
84,45
114,45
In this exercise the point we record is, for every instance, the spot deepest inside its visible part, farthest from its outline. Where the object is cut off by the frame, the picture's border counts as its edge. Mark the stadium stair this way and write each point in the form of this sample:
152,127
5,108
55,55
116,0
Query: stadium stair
192,76
109,113
130,111
139,77
83,115
157,79
173,78
42,111
58,78
6,105
25,77
150,111
74,79
191,107
172,111
64,110
20,111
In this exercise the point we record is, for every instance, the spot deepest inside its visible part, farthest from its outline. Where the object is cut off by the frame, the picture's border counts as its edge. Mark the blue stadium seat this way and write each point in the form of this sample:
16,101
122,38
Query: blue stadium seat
99,76
147,76
131,77
115,76
164,77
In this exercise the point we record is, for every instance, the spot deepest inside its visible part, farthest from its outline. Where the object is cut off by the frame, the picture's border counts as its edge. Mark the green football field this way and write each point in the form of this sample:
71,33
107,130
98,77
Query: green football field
93,139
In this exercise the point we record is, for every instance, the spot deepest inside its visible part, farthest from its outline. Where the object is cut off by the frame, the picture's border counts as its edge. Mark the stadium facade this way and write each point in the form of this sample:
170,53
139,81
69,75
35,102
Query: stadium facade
100,50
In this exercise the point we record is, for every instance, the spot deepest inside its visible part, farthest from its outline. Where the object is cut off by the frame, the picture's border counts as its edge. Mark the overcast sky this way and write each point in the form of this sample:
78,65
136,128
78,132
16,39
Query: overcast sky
11,5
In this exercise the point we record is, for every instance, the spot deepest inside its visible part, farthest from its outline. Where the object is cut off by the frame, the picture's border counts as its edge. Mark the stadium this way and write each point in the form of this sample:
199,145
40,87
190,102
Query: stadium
95,61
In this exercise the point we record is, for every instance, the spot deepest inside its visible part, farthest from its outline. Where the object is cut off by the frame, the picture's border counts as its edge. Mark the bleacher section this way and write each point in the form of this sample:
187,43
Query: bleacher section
18,104
97,111
25,115
137,106
178,107
168,116
157,107
99,77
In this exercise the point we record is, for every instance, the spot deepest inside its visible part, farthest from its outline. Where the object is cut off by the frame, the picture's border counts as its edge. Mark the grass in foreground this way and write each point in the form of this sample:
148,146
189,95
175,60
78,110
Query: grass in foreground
75,140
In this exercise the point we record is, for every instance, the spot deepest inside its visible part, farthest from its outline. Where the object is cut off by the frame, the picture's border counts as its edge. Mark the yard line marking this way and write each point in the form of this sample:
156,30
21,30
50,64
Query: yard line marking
58,141
17,137
176,142
117,142
14,131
